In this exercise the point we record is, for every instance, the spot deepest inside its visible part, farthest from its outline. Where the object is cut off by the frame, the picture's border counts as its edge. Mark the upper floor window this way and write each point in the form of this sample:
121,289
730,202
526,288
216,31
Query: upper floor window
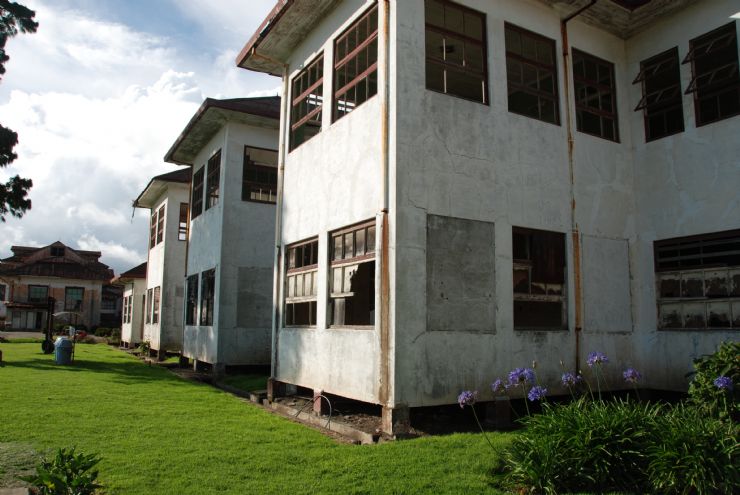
301,279
57,251
352,283
596,96
38,293
260,175
197,199
661,101
531,74
153,230
698,281
73,297
182,224
160,224
308,97
456,55
213,181
356,64
715,79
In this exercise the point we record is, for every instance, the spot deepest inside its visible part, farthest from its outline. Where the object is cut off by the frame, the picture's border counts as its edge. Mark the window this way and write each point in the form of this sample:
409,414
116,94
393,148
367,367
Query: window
73,298
2,292
38,293
214,177
182,224
300,285
596,96
57,251
155,306
715,81
456,56
356,64
260,175
539,279
207,293
160,225
531,74
308,97
149,306
191,302
352,284
153,230
661,102
125,310
197,199
698,281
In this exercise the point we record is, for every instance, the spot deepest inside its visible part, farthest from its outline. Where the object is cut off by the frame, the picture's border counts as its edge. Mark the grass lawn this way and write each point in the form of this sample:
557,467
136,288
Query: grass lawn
159,434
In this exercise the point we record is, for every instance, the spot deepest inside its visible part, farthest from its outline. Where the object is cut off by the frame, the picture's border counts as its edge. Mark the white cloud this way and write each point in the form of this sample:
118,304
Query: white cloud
112,251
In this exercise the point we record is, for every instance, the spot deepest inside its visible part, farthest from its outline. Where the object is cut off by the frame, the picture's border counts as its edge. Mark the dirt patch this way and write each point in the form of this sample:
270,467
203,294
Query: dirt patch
16,459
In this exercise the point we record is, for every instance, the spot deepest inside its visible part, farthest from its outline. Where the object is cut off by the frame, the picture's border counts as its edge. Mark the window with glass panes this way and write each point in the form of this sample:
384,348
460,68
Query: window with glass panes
596,96
191,301
73,298
260,175
662,101
160,224
38,293
207,296
197,198
307,93
352,281
182,224
301,279
213,180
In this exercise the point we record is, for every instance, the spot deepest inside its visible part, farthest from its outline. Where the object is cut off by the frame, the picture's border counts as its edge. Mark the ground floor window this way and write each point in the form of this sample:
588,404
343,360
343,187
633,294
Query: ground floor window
352,281
148,318
38,293
191,301
301,279
73,298
539,279
155,305
207,296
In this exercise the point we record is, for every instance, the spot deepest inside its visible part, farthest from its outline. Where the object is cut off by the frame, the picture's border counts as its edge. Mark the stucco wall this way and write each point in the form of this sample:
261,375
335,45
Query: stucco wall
133,332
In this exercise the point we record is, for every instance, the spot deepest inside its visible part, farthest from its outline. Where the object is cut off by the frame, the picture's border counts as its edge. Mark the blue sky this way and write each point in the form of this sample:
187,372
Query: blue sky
97,97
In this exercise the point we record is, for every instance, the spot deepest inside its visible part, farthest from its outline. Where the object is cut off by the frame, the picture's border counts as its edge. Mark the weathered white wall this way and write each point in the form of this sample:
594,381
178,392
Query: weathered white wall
685,184
331,181
236,238
133,332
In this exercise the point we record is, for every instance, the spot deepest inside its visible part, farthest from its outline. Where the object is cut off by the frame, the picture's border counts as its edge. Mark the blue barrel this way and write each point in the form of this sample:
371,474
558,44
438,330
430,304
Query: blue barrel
63,350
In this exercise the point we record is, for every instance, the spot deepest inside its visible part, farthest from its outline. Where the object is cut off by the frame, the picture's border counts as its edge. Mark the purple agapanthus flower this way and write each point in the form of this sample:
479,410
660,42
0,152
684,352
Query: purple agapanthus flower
498,386
596,358
467,398
570,379
537,393
521,376
723,382
631,375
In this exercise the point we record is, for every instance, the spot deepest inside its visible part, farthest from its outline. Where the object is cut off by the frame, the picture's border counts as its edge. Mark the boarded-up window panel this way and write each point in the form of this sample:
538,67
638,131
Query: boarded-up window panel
535,314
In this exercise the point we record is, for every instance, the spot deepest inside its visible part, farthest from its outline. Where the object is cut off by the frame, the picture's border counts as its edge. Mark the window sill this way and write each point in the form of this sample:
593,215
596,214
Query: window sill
351,327
692,330
541,329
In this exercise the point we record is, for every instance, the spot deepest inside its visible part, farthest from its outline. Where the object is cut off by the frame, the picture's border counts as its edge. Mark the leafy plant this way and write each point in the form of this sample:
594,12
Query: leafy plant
68,473
705,391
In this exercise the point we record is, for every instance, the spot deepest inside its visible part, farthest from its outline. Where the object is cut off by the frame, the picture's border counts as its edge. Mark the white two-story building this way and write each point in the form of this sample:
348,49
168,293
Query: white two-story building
470,186
133,309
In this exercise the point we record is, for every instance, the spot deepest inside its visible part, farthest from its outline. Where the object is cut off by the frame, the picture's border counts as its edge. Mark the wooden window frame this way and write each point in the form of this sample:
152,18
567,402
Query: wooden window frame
207,297
717,86
554,98
352,59
344,260
300,95
303,272
67,306
153,229
160,223
191,303
213,180
661,101
36,299
148,297
447,66
156,304
183,224
612,88
255,186
196,198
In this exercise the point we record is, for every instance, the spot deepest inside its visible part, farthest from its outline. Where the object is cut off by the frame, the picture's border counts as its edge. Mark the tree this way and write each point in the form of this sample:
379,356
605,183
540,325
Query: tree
14,18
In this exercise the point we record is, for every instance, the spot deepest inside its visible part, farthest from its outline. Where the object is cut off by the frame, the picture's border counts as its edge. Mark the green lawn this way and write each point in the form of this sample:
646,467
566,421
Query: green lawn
159,434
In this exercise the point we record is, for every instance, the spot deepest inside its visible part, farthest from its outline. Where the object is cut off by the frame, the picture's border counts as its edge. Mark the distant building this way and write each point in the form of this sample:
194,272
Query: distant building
166,198
133,285
73,278
231,146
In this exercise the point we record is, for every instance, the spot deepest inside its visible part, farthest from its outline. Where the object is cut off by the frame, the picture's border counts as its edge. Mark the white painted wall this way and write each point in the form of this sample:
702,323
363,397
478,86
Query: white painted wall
133,331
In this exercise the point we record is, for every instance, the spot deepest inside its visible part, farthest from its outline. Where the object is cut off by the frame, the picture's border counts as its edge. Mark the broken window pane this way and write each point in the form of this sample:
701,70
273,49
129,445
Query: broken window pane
352,291
307,100
595,91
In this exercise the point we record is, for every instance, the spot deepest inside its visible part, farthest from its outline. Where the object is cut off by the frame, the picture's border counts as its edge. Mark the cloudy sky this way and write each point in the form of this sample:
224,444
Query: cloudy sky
99,94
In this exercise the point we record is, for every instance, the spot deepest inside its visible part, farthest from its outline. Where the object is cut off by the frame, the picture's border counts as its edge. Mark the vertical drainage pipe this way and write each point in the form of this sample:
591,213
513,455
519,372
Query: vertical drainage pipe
575,234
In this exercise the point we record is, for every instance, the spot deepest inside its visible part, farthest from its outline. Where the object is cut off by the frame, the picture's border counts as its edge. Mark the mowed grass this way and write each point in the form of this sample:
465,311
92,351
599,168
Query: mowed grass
157,433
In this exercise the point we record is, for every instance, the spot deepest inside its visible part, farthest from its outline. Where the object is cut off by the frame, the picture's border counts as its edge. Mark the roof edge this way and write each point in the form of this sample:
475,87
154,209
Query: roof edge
250,48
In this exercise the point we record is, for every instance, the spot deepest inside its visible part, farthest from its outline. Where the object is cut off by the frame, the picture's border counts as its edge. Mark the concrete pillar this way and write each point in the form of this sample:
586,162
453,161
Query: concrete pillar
198,365
320,404
275,389
396,420
498,413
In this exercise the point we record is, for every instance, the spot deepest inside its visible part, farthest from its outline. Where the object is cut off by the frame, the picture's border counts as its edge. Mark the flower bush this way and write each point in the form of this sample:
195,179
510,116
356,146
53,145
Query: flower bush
715,387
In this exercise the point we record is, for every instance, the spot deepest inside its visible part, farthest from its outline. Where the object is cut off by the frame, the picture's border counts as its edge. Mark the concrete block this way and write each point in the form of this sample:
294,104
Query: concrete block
395,420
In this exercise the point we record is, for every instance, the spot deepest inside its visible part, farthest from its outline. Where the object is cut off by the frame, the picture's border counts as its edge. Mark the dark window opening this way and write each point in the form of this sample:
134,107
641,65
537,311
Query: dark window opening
260,175
662,102
155,305
149,305
38,293
191,302
596,96
213,180
73,297
715,79
308,98
153,230
160,225
456,54
197,199
356,64
57,251
182,224
539,279
698,281
207,296
352,283
531,74
301,279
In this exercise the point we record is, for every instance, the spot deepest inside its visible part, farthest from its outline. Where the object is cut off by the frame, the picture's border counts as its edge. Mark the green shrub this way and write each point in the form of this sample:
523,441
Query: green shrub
103,332
694,453
705,395
68,473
